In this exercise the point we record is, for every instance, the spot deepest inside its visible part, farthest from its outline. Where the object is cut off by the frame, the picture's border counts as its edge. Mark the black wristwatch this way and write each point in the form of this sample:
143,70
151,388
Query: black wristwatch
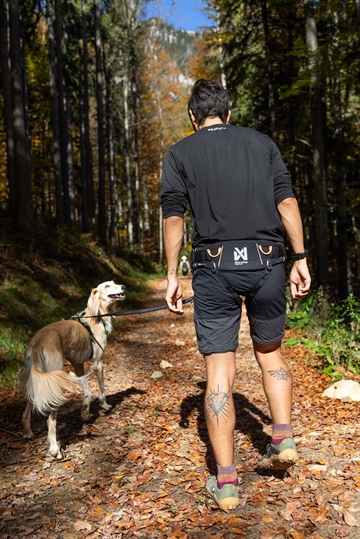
299,256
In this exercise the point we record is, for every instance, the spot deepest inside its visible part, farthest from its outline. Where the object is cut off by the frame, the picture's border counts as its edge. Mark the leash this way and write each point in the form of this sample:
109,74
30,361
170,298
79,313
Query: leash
139,311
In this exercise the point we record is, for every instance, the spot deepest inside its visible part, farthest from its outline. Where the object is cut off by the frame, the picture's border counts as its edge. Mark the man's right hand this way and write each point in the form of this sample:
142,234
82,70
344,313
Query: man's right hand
173,295
300,279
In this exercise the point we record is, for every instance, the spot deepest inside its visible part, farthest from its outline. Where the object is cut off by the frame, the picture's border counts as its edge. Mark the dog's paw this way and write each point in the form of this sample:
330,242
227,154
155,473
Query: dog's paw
57,454
106,406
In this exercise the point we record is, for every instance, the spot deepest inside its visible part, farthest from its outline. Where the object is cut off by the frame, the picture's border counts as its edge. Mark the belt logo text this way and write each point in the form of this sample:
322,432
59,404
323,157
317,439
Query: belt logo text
240,256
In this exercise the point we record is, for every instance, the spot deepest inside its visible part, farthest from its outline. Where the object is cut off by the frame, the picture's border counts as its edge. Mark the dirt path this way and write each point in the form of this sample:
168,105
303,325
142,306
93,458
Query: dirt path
140,470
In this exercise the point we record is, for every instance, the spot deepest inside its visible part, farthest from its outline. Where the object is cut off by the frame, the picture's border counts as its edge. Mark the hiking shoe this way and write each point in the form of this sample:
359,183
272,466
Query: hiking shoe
227,497
279,456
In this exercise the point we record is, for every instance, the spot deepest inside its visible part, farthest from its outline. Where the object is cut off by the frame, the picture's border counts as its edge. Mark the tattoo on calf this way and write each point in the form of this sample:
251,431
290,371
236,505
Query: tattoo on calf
218,403
280,374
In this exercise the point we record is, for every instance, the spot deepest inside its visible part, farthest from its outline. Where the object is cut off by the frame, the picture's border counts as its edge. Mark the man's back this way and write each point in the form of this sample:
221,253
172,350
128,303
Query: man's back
233,178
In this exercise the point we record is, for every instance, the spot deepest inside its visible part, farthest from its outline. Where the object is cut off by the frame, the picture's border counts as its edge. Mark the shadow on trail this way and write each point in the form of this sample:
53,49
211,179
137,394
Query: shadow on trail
70,425
249,420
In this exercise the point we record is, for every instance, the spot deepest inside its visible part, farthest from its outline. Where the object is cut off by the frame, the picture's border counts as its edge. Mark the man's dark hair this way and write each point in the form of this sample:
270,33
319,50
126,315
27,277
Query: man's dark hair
208,99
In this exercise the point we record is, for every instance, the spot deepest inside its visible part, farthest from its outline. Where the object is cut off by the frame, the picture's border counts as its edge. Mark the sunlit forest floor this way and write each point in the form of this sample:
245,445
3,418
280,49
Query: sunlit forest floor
140,469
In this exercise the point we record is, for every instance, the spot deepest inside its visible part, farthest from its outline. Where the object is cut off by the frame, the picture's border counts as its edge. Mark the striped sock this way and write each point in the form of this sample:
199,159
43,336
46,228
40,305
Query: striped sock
227,475
279,432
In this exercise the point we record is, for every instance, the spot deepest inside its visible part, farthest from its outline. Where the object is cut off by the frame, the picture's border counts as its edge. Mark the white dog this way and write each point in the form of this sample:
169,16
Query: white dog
78,340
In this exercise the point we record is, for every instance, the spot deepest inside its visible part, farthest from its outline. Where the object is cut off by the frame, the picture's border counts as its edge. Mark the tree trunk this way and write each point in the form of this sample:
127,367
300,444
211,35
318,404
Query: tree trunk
127,166
270,83
23,214
146,219
221,52
136,145
55,118
82,155
358,16
70,160
100,118
111,163
88,187
62,115
340,105
320,195
8,106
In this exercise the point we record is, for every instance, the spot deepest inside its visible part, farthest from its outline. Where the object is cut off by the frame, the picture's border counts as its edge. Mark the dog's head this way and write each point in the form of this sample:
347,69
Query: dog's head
104,297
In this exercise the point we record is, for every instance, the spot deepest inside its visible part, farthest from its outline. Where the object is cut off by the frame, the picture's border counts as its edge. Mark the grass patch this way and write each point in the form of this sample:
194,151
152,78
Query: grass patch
329,331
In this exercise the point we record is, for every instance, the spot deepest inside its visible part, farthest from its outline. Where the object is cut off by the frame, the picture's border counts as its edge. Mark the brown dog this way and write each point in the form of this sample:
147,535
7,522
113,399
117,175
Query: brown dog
78,340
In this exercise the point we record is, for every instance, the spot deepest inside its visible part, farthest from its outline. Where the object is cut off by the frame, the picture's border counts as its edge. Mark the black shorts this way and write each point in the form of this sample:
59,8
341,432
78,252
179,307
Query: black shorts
217,316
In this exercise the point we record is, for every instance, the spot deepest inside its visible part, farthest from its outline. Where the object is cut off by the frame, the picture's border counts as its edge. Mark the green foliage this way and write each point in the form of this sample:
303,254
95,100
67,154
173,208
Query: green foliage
340,339
301,317
335,340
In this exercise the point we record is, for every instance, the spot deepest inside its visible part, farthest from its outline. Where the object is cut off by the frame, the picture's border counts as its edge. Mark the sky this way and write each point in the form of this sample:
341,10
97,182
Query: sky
183,14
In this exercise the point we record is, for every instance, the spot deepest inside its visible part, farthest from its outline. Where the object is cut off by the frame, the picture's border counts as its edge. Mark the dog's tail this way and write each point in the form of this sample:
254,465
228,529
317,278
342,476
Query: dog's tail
45,389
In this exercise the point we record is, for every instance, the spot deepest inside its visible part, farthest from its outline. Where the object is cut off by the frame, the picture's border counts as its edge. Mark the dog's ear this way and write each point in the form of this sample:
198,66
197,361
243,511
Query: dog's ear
94,301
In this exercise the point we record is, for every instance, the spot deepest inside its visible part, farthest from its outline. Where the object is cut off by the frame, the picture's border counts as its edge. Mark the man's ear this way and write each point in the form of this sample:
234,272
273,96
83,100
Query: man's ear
193,120
228,117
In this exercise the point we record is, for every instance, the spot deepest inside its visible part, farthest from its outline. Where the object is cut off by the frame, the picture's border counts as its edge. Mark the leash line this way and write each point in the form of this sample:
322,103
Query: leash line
139,311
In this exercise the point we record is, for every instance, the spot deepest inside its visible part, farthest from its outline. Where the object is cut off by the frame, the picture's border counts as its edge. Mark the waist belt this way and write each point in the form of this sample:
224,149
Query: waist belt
246,255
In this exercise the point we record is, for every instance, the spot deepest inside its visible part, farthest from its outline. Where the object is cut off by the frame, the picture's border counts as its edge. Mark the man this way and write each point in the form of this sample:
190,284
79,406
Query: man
241,200
184,265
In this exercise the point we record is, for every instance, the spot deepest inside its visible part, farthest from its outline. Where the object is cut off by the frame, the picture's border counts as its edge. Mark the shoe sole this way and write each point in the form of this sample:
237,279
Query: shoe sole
227,503
283,461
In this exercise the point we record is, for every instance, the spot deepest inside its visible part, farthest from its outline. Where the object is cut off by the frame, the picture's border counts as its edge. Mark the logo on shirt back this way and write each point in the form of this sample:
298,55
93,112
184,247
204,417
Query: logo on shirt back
240,256
216,128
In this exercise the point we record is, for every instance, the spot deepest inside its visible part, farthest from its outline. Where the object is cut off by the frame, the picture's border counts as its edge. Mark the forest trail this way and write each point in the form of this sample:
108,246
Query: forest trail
140,470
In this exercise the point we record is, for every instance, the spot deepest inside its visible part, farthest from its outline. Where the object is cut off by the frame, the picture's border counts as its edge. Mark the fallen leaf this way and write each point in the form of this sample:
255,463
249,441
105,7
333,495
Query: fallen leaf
267,518
82,525
350,520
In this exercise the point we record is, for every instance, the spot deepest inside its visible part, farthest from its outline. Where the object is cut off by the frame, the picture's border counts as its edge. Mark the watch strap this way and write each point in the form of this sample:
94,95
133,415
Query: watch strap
299,256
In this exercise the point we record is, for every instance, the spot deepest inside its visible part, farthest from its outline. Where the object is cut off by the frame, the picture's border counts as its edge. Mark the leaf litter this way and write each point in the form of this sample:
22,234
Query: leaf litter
139,471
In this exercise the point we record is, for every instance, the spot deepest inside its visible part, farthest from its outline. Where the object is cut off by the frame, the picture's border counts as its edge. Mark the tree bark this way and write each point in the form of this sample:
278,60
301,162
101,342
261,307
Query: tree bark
88,184
136,143
70,160
55,118
100,118
111,162
270,82
62,115
23,214
8,106
320,195
146,219
127,165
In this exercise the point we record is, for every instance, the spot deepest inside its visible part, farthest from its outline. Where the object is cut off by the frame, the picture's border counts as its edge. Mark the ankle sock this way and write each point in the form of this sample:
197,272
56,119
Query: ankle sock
279,432
227,475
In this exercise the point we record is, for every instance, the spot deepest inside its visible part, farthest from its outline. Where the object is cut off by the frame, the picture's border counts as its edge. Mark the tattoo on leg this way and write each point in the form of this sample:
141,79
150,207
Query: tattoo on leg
218,403
280,374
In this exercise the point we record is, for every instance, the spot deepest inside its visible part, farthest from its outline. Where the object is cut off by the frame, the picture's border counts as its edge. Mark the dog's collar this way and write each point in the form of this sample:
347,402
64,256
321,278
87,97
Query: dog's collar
78,318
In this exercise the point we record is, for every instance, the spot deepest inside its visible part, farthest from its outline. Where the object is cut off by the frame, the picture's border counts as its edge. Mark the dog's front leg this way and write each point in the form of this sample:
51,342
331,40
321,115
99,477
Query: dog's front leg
26,421
55,450
99,371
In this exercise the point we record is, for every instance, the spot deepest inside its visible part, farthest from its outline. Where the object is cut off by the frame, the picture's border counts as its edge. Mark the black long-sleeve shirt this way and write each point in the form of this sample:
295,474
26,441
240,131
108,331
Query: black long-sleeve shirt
233,178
